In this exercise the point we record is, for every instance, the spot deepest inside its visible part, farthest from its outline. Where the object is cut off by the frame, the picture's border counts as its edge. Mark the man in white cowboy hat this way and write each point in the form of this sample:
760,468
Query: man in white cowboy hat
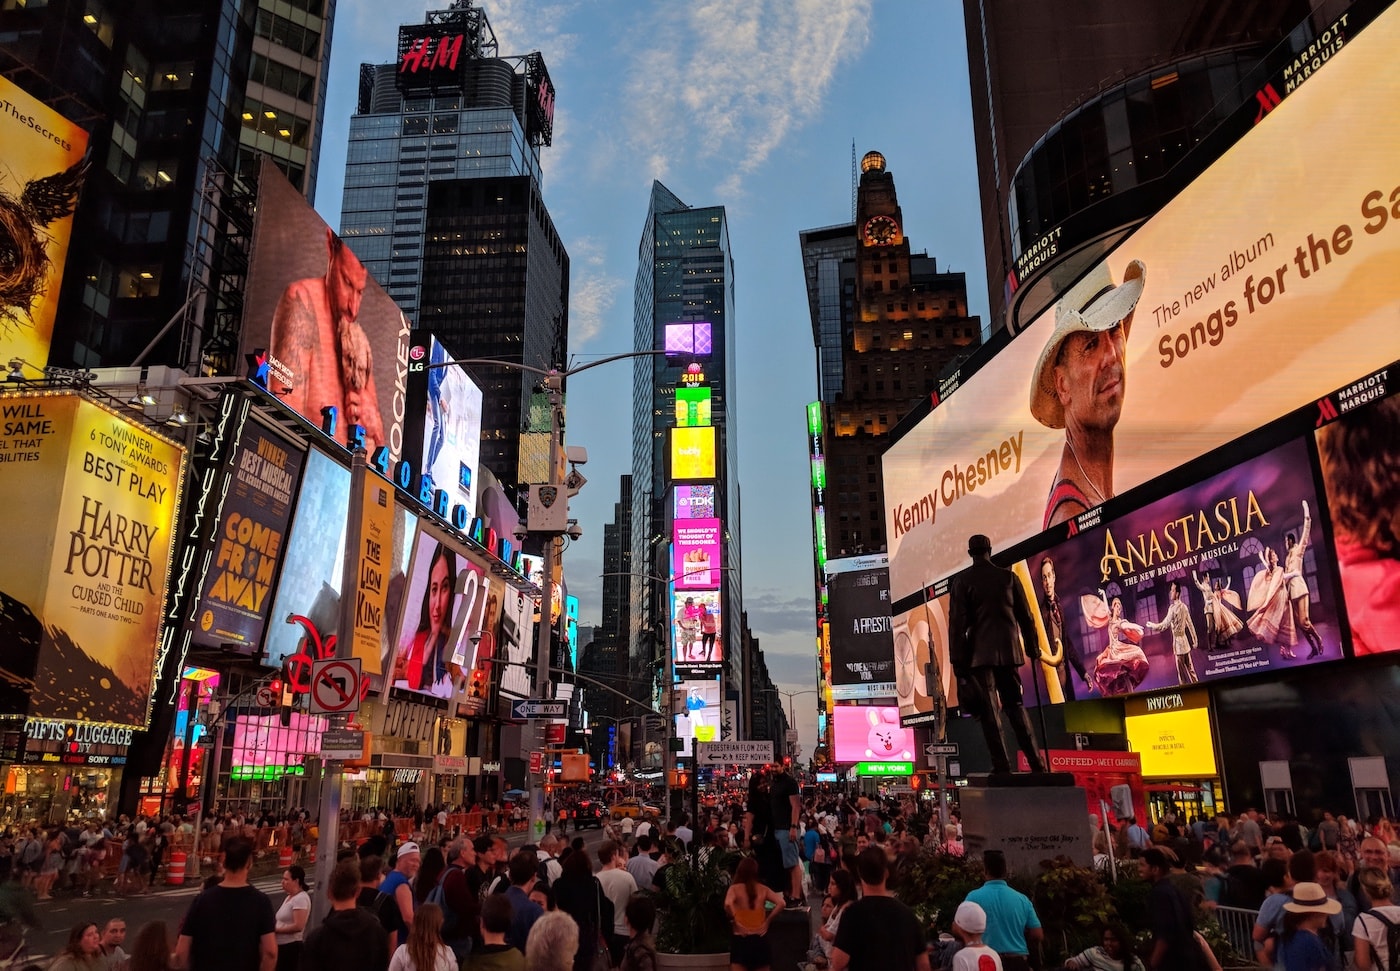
1079,385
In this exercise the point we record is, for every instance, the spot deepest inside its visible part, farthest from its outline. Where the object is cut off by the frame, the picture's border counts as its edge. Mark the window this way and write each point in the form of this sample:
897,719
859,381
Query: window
176,76
155,174
100,21
296,38
138,280
415,125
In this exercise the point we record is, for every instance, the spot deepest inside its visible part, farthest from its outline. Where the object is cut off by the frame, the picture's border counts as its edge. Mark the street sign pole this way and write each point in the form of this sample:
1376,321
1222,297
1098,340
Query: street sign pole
329,841
942,770
543,687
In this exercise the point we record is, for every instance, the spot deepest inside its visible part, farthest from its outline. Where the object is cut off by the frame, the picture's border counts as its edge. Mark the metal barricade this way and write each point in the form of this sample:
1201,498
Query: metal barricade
1238,925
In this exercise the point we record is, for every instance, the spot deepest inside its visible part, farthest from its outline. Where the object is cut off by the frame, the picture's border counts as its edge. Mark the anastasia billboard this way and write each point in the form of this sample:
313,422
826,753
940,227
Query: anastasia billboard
1225,578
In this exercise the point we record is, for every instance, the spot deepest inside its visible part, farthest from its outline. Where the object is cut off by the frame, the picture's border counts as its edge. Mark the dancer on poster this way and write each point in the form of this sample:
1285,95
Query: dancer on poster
1221,623
1178,620
1295,545
1122,665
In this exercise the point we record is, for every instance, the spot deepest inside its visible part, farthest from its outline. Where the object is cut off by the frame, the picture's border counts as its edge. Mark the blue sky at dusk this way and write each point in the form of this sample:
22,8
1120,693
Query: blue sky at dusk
749,104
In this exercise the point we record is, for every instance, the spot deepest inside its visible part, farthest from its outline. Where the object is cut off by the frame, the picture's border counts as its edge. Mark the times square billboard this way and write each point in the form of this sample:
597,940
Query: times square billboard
1176,411
41,154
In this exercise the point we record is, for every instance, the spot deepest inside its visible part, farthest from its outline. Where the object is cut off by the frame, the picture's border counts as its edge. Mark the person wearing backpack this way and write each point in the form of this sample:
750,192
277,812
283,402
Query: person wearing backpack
461,908
1376,933
394,905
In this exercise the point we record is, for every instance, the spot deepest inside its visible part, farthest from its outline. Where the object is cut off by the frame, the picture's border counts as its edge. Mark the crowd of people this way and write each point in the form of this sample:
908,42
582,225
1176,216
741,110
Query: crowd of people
1319,898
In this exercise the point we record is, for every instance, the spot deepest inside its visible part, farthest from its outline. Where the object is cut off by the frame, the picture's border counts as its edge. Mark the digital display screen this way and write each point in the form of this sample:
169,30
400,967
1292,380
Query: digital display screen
697,554
692,453
690,339
867,733
692,407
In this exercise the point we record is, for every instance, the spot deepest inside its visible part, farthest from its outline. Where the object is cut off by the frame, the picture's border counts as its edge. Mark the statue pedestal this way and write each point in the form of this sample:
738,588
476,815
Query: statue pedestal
1028,817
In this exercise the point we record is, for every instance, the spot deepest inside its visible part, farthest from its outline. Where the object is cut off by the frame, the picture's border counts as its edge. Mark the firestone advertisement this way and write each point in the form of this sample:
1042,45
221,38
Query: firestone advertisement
82,612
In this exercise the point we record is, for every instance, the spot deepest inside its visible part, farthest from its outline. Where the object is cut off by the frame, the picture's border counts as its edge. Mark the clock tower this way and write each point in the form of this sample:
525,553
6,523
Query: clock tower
882,251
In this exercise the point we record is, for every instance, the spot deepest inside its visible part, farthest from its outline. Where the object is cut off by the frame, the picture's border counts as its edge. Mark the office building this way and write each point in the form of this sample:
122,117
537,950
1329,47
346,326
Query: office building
177,98
443,204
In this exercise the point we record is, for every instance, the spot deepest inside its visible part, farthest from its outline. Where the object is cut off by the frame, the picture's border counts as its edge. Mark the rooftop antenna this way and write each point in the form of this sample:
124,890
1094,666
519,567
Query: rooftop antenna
854,180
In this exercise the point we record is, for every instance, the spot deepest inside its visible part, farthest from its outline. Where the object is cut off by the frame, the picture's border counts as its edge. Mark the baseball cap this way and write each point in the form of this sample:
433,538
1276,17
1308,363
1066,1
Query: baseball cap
407,848
971,917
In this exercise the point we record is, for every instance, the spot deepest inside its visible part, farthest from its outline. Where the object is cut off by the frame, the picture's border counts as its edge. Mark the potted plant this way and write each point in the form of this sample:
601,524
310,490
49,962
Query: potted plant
692,927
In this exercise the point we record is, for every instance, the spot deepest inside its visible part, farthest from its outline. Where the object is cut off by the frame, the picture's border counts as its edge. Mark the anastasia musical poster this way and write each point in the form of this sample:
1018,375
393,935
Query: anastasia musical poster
1229,577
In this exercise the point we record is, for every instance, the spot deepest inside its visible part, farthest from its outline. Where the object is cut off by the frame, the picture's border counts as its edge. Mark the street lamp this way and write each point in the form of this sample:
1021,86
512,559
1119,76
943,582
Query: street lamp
792,710
555,489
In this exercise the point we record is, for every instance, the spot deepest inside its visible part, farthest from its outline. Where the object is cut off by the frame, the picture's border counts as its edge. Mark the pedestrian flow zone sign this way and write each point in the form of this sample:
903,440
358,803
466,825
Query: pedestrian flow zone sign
759,752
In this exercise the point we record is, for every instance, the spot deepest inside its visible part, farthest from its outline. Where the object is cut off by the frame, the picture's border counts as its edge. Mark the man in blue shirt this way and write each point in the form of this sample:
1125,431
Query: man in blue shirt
523,870
1012,925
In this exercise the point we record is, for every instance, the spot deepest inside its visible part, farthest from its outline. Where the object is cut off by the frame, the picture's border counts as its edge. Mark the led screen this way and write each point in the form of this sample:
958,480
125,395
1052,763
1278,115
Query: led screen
924,680
862,643
692,407
698,712
1219,297
689,339
91,501
695,502
1225,578
333,337
866,733
443,435
264,749
697,555
41,154
692,453
698,629
1173,744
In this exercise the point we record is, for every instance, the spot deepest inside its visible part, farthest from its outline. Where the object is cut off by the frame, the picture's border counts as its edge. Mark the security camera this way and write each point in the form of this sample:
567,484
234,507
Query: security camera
520,534
575,531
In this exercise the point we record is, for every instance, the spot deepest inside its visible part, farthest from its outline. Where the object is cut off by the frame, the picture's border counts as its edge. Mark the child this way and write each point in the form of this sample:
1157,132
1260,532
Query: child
969,923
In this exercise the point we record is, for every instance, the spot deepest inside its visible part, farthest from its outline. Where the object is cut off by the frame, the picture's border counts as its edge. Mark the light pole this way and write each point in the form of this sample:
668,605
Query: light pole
792,710
548,493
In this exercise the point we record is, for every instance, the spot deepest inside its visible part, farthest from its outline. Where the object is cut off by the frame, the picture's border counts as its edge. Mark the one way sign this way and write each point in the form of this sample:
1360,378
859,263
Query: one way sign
736,753
539,709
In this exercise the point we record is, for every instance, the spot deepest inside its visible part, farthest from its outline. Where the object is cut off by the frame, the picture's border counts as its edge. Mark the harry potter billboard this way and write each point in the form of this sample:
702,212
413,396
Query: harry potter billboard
82,604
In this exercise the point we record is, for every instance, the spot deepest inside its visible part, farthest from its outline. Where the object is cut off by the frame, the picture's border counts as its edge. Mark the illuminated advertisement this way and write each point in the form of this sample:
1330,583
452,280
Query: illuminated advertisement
692,407
449,601
1172,735
858,615
696,554
515,644
692,453
431,55
442,436
817,462
699,715
1222,579
1098,773
1361,477
690,339
263,748
93,499
306,604
571,629
698,629
1202,327
251,538
695,502
871,732
924,682
42,160
332,337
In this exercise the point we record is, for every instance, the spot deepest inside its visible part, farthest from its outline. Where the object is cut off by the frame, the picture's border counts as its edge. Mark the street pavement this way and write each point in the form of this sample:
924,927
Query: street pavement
58,916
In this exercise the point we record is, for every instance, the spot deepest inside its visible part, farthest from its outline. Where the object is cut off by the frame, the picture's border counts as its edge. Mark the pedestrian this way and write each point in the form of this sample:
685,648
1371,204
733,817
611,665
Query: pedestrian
395,901
83,952
430,868
461,907
151,949
746,904
1174,943
578,893
786,812
1114,952
492,953
1371,931
640,953
1300,948
1012,925
619,885
113,937
522,871
424,950
231,926
351,938
878,932
969,922
291,918
552,943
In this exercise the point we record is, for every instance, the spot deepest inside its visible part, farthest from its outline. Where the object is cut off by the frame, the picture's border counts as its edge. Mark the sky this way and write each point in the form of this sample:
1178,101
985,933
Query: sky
748,104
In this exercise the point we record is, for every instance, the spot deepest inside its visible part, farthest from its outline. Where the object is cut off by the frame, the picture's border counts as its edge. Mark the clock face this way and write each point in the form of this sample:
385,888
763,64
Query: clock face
881,231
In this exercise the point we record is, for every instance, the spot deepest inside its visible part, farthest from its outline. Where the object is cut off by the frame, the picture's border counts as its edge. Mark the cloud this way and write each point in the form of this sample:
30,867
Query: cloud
773,613
731,79
592,292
